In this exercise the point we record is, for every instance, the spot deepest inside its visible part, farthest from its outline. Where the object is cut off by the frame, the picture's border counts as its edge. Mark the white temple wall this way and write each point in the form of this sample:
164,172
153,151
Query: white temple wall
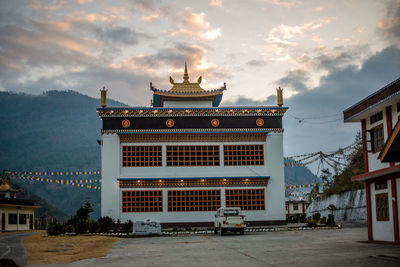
110,171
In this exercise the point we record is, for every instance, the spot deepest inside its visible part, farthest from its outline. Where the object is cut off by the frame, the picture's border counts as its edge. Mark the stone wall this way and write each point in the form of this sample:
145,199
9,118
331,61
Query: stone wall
351,206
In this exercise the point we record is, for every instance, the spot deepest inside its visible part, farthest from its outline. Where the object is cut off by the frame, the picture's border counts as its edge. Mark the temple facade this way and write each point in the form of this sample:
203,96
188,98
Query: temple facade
180,160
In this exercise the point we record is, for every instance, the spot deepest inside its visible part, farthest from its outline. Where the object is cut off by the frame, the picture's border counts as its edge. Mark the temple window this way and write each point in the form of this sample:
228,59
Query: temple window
22,218
194,200
141,156
238,155
246,199
295,206
12,218
377,138
180,156
382,207
142,201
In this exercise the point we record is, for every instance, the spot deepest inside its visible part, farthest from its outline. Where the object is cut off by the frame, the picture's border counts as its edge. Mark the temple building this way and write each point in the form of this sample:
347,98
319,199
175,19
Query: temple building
379,115
179,161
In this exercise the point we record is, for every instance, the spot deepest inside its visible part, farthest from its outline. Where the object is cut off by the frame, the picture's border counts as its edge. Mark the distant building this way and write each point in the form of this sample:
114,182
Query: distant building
15,214
379,116
180,160
295,207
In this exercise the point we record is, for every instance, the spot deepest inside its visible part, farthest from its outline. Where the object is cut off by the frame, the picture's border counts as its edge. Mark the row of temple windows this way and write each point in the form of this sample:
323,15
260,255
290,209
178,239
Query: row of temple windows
200,155
192,200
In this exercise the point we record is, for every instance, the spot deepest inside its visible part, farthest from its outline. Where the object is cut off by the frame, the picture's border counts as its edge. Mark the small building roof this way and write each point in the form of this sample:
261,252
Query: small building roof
373,103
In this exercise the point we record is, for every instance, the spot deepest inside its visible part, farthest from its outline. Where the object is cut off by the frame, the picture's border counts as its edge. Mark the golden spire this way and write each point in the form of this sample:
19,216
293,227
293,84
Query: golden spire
279,91
103,97
186,75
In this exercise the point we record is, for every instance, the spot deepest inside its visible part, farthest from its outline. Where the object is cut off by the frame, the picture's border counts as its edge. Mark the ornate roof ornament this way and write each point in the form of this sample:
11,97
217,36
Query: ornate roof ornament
186,89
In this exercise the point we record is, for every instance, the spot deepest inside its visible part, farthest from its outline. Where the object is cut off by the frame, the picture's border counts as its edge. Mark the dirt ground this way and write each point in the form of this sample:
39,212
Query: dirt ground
63,249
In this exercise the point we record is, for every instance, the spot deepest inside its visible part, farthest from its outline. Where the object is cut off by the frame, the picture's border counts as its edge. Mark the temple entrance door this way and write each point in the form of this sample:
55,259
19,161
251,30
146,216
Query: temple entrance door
3,221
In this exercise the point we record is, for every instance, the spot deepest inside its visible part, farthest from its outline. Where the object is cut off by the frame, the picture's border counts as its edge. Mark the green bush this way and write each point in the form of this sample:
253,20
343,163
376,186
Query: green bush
55,228
311,223
105,224
92,226
127,227
331,220
322,220
69,228
316,216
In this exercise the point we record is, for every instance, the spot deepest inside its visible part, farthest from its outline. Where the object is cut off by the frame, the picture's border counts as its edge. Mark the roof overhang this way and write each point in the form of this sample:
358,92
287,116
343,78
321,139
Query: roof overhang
374,103
391,149
378,173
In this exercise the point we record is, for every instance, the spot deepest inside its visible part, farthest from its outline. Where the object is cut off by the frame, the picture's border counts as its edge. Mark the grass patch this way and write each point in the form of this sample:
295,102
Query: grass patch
64,249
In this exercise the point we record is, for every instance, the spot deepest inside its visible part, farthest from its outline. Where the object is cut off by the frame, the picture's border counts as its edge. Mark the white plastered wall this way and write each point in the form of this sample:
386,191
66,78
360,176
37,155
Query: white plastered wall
382,230
110,171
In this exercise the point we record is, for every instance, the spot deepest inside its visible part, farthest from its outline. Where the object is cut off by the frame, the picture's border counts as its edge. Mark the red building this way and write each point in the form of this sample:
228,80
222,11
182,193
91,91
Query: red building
379,116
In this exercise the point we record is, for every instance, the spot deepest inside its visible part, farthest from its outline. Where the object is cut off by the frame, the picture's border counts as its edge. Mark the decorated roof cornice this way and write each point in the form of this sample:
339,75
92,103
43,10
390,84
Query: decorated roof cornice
229,130
172,112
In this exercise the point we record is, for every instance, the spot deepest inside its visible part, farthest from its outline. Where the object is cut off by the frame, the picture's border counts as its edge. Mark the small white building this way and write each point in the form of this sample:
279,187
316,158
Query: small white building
179,161
15,214
379,116
295,207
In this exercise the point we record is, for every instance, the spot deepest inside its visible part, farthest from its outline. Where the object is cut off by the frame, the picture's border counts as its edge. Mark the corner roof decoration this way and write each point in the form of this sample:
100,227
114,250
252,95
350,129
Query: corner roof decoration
186,91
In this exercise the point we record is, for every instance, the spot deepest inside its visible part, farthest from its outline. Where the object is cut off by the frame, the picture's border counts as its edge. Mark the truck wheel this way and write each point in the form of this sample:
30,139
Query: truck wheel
242,231
222,231
215,230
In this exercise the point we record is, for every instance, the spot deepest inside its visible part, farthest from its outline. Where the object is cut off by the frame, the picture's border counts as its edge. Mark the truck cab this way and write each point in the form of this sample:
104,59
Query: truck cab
229,219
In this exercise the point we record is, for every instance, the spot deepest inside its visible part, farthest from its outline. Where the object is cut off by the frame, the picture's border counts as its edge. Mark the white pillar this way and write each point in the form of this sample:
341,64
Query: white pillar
110,171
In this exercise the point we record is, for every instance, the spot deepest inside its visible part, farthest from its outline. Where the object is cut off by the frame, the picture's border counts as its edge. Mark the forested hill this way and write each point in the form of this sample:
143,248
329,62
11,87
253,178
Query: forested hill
54,131
58,131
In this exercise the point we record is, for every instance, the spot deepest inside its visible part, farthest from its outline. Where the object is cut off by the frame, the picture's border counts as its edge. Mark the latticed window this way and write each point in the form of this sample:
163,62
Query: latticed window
382,207
295,206
194,200
246,199
236,155
142,201
141,156
180,156
377,138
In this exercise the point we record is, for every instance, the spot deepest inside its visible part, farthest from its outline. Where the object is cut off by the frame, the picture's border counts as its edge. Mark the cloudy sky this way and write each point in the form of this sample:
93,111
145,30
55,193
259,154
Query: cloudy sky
327,55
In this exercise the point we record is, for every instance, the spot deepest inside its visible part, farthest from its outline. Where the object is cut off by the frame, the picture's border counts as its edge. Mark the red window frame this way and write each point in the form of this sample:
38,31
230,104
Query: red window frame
193,200
246,199
142,201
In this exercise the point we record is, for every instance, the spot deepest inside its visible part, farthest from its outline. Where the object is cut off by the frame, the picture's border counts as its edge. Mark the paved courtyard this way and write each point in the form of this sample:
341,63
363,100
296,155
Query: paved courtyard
340,247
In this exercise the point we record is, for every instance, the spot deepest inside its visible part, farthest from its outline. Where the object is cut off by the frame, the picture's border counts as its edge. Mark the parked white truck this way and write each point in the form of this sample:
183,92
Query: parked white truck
229,219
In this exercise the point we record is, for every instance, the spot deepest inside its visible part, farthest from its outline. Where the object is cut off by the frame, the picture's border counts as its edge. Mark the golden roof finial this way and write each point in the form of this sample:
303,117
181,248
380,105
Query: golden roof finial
279,91
186,75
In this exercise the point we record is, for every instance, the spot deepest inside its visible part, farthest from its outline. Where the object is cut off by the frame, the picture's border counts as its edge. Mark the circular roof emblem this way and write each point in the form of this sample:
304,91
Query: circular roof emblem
170,123
126,123
260,122
215,122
